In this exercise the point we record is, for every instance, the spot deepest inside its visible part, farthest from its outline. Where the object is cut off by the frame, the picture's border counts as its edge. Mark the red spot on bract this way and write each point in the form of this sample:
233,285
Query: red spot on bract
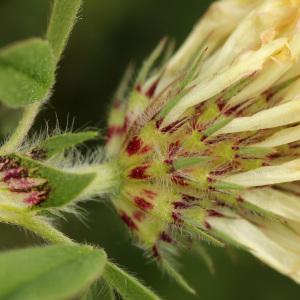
207,225
172,127
168,162
235,148
15,173
36,197
117,104
221,104
269,94
210,180
173,148
150,194
152,89
128,221
155,252
180,205
134,146
222,170
176,216
177,179
38,154
214,213
165,237
240,199
21,184
139,215
142,203
139,172
188,198
145,149
126,123
114,131
7,164
232,110
158,123
274,155
138,88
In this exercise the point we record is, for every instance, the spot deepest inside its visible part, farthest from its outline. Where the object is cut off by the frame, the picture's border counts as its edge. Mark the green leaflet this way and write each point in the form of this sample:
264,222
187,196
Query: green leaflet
64,186
26,72
58,143
126,285
49,273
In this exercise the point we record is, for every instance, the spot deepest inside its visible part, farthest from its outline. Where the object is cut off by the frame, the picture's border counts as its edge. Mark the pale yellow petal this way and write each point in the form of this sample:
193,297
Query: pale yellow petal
280,115
282,204
267,175
260,244
282,137
219,21
242,67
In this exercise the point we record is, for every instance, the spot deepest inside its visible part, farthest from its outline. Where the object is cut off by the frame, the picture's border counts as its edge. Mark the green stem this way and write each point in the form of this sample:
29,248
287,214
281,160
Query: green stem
45,230
36,225
61,23
29,114
107,179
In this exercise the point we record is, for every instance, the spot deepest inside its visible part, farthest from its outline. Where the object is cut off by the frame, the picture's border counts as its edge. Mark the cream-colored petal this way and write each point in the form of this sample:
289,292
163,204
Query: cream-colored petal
288,93
282,137
242,67
282,204
278,70
260,244
282,234
219,21
280,115
267,175
261,26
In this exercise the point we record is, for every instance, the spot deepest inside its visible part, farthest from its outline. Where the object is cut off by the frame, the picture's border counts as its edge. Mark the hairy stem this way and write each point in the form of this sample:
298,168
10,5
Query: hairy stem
61,23
38,226
45,231
29,114
106,180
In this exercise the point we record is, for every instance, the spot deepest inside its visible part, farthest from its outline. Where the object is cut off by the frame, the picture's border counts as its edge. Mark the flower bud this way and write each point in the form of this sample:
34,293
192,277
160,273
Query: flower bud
18,188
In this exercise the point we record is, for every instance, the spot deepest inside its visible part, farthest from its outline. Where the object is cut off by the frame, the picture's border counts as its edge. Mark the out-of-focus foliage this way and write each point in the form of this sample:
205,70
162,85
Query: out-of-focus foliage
111,33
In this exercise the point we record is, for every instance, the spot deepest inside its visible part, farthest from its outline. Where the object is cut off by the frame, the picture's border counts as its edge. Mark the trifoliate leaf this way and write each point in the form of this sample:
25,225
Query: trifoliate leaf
26,72
49,273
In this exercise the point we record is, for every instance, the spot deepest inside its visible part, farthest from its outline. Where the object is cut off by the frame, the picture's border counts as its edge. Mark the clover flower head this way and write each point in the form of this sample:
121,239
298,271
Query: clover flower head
207,140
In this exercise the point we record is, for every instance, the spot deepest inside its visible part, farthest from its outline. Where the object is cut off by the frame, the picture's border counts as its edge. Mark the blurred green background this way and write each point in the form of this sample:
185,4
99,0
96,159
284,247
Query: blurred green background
110,34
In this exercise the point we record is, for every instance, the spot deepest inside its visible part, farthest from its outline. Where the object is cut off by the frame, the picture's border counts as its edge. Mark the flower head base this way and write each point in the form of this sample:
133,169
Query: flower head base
208,143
